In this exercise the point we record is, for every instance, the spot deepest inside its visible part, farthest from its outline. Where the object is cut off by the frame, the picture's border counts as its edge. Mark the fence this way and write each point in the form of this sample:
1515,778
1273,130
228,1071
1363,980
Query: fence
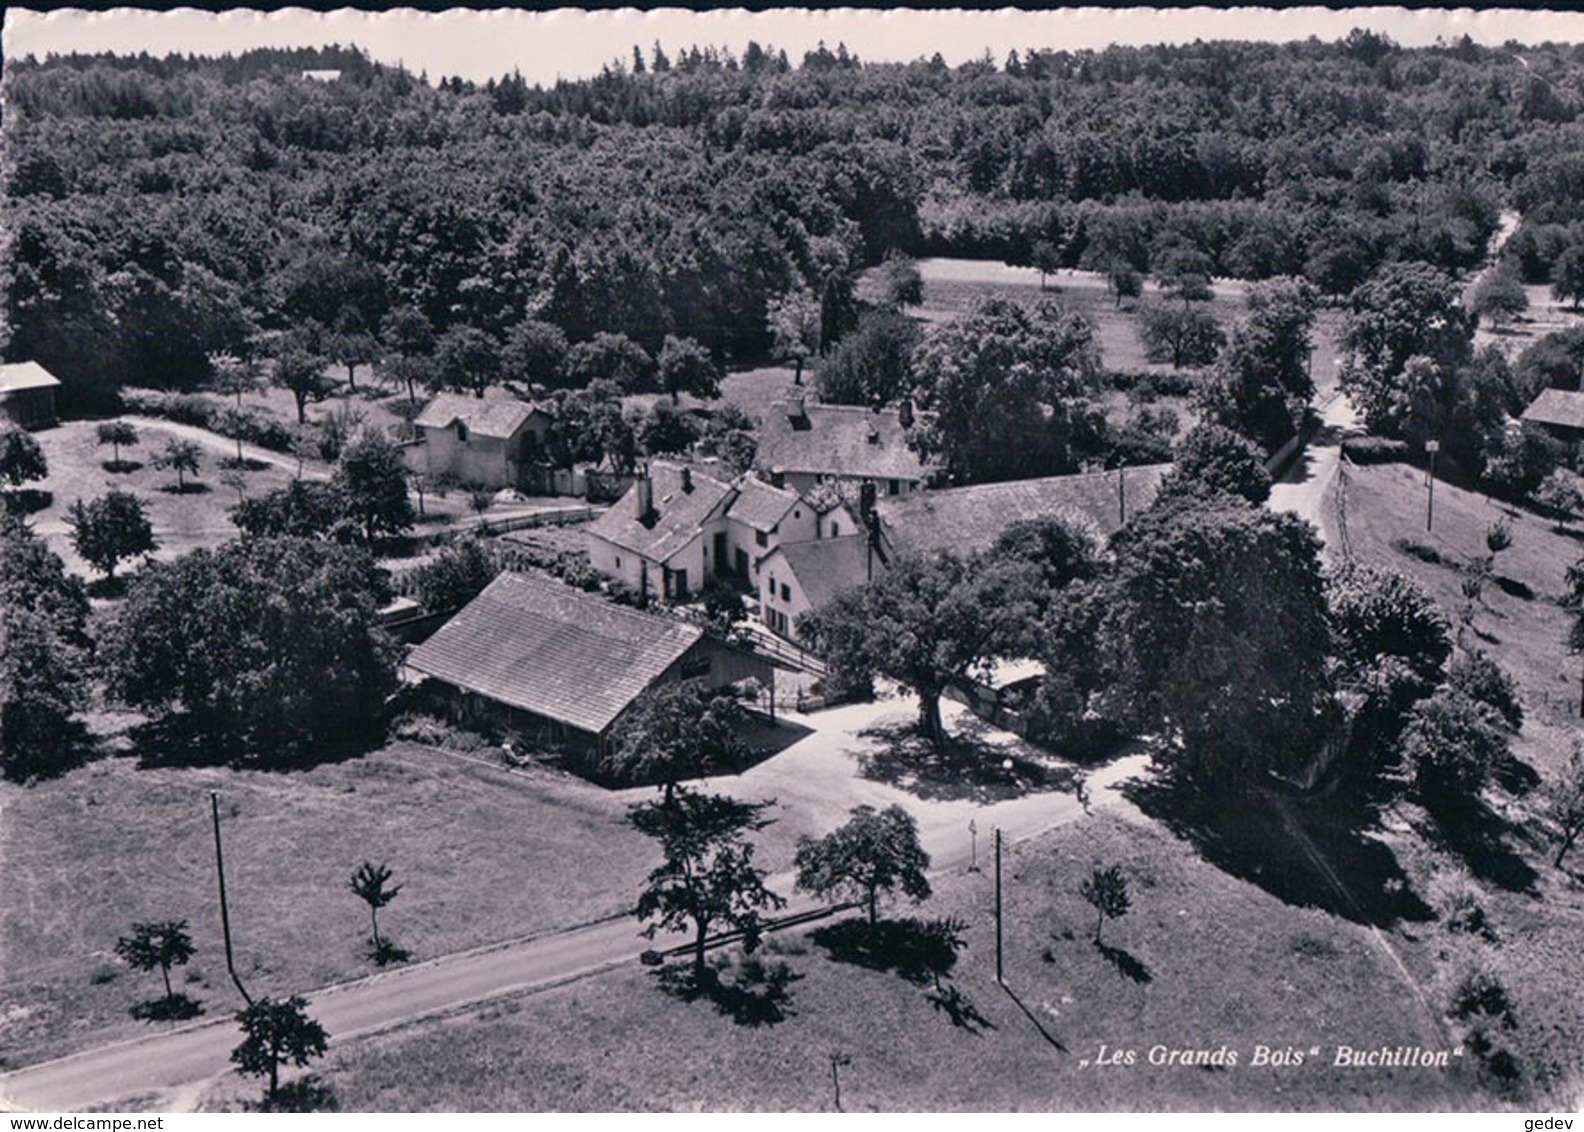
557,517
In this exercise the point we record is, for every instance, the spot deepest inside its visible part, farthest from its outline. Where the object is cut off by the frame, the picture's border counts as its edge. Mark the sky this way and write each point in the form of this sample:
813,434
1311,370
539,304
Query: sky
574,44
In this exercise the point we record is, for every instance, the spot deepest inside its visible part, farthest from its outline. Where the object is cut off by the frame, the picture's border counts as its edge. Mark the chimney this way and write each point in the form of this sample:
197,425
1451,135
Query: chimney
795,409
866,500
687,480
905,412
645,495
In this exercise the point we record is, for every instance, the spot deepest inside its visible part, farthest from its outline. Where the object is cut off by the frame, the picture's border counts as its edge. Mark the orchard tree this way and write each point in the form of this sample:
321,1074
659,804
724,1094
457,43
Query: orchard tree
371,884
613,358
466,358
1567,275
233,376
1010,389
301,509
794,324
930,621
1565,799
372,481
183,457
687,367
1214,458
535,352
276,1033
1499,298
1047,259
21,458
1123,281
117,434
1183,336
157,946
707,874
875,852
299,368
1106,889
676,730
110,530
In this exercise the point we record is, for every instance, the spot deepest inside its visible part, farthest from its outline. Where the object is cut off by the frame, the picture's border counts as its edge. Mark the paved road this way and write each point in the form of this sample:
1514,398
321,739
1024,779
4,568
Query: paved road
181,1058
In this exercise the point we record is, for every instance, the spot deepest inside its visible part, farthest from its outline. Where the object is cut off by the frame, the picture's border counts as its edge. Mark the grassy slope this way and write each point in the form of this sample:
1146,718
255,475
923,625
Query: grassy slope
483,855
1224,960
1538,910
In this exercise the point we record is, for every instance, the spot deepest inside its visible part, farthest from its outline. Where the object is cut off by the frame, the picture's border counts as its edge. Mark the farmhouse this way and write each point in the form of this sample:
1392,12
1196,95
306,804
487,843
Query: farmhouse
799,576
27,394
802,445
1558,411
492,441
678,528
557,665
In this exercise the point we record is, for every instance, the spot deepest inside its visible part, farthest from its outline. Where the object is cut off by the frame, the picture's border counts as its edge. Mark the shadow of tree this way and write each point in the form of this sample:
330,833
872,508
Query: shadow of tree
1512,587
959,1008
193,488
306,1094
920,951
174,1008
1248,837
750,991
1480,837
122,467
966,768
1128,965
387,952
27,500
179,740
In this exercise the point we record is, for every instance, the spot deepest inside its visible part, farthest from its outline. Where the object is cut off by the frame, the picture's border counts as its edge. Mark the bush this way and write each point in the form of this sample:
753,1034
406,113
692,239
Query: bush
250,425
1481,991
1453,744
1481,679
1375,450
1424,552
1558,493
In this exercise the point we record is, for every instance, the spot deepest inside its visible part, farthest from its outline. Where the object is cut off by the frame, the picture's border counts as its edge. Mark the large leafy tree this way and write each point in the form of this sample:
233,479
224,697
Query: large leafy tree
874,852
1183,336
1213,458
794,324
372,482
266,650
111,529
1213,632
930,621
1406,311
1261,382
675,731
301,509
874,364
684,366
1009,386
707,875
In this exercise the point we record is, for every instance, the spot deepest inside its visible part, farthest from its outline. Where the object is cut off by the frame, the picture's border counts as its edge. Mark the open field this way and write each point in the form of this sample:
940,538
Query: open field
198,517
1204,960
1517,621
483,856
952,285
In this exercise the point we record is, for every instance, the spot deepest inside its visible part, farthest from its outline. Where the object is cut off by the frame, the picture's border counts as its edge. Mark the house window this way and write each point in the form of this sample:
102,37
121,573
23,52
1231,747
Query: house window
695,667
462,432
761,538
797,514
786,592
893,487
835,528
618,562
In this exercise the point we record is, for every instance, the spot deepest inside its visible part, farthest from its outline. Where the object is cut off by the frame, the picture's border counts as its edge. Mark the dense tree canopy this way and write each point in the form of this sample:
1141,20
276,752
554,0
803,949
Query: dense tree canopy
267,649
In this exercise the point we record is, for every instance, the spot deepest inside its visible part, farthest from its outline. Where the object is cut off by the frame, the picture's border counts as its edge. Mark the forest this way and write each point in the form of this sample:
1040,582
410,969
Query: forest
163,212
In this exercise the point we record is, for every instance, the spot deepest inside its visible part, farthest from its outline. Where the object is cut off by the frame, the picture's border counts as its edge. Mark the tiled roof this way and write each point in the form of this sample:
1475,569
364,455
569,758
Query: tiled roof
1561,408
497,414
679,514
970,519
761,506
839,440
18,376
544,647
824,567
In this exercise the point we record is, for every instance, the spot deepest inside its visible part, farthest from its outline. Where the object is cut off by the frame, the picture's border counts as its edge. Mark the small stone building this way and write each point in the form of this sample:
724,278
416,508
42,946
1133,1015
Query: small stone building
493,441
27,395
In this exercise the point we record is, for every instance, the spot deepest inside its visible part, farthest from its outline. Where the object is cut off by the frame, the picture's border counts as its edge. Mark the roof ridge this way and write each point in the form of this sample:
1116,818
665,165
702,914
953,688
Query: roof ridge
576,595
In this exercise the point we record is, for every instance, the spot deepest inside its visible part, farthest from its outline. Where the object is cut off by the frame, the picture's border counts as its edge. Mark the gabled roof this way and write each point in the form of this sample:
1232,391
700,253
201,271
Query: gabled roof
760,505
496,414
544,647
970,519
679,514
839,440
1559,408
17,376
824,567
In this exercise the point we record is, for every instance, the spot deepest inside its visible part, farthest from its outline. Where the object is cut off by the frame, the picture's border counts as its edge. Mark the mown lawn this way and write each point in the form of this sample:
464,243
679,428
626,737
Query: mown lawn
482,855
1204,960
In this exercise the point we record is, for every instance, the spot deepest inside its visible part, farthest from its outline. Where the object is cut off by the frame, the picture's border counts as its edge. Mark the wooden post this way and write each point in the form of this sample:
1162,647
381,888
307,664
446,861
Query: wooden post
1000,970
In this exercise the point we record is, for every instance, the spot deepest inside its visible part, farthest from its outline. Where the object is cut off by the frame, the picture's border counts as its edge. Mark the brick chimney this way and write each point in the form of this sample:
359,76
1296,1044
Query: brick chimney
687,480
795,410
905,412
644,487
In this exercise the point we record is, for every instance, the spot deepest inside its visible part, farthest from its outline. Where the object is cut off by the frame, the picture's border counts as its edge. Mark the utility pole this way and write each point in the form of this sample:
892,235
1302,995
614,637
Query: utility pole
225,915
1122,496
837,1060
1432,447
973,846
1000,970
